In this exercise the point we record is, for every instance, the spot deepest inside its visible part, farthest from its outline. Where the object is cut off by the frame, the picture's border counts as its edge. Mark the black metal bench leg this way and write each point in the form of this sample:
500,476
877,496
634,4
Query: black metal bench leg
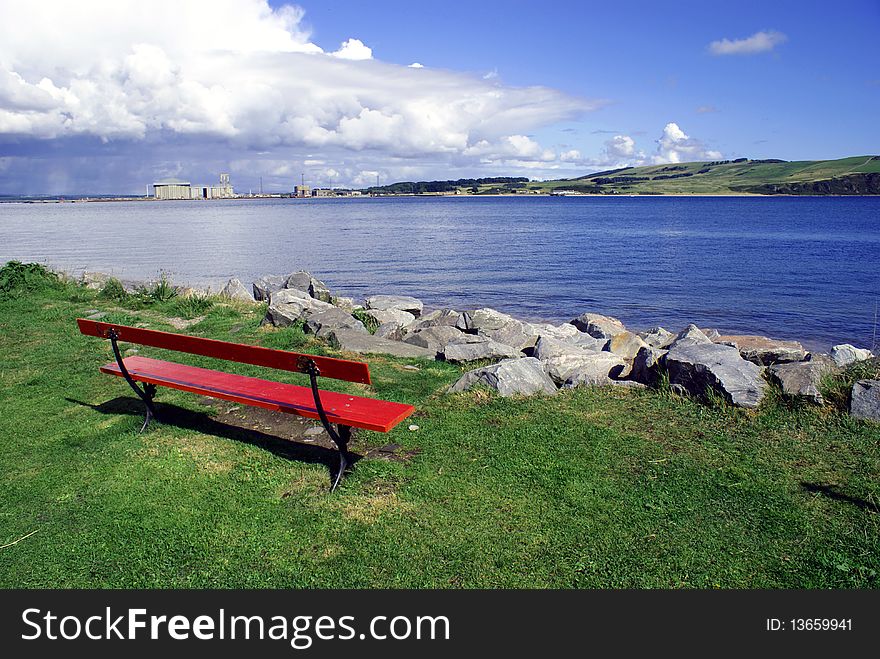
149,395
149,391
344,436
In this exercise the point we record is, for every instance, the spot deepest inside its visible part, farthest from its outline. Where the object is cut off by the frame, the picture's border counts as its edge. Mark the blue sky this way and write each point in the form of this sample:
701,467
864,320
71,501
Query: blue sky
106,99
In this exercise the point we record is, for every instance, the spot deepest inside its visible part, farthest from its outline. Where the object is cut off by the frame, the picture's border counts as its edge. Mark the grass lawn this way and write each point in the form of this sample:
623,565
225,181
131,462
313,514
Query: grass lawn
591,488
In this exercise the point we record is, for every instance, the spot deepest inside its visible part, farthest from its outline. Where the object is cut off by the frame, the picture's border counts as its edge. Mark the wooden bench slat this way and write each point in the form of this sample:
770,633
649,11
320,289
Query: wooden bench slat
339,369
367,413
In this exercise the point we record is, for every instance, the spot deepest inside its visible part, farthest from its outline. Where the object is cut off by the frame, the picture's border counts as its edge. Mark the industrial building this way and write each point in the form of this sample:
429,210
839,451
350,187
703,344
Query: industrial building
177,189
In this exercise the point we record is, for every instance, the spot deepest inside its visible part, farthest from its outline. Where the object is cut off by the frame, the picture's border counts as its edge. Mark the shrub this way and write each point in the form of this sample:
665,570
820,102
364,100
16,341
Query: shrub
113,290
17,279
194,305
369,322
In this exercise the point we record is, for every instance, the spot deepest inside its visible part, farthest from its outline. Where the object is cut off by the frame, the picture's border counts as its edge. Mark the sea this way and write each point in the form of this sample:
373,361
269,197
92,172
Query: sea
805,268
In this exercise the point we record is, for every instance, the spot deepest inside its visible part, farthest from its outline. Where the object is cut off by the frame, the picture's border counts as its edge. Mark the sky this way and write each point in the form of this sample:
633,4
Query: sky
107,97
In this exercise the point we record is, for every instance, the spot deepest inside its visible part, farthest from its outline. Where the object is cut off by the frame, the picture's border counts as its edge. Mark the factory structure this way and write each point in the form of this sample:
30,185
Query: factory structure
176,189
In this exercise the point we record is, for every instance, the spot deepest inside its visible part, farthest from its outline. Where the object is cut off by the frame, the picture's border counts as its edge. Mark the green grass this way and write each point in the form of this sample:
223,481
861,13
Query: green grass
592,488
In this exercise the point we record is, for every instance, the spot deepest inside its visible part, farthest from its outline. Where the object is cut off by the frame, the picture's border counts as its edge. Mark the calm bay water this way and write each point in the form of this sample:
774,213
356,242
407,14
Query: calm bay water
803,268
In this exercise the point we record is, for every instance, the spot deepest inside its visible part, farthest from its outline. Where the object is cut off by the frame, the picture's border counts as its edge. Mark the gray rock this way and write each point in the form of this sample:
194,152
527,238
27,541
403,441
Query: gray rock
646,365
346,303
846,354
548,347
94,280
762,350
396,316
625,344
484,319
437,318
656,337
398,302
468,352
516,335
282,314
565,332
437,338
524,376
588,369
391,331
699,367
865,400
598,326
235,290
800,379
690,335
322,322
370,344
318,290
265,286
288,295
300,280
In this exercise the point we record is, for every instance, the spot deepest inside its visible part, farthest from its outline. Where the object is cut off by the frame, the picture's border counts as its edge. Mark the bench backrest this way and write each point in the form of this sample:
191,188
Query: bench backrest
340,369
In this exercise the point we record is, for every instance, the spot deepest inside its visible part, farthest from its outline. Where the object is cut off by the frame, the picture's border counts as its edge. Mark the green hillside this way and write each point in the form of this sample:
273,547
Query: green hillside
855,175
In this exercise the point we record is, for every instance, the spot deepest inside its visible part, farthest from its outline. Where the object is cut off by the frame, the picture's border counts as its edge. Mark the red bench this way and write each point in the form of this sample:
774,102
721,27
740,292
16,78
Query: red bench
327,406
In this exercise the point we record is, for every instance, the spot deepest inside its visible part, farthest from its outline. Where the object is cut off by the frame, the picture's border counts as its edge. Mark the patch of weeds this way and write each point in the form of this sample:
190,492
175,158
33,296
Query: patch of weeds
17,279
113,290
836,388
369,321
195,305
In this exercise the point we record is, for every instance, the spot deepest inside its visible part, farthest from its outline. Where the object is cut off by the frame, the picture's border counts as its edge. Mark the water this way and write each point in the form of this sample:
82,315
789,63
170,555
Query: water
802,268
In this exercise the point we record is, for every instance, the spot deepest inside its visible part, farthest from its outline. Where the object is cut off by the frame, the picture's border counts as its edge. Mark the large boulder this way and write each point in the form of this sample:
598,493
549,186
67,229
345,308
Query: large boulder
288,295
598,326
398,302
588,369
698,367
396,316
524,376
800,379
319,291
865,400
762,350
369,344
235,290
547,347
265,286
656,337
846,354
498,327
391,331
320,324
690,335
286,309
436,318
437,338
564,332
485,349
300,280
646,365
625,344
346,303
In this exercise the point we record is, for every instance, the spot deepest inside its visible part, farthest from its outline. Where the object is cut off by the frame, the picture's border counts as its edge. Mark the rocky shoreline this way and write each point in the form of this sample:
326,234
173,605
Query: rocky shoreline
517,357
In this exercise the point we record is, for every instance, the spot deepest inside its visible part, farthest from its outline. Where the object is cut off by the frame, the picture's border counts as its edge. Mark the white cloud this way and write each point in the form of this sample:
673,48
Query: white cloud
675,146
416,65
238,77
759,42
620,147
573,155
353,49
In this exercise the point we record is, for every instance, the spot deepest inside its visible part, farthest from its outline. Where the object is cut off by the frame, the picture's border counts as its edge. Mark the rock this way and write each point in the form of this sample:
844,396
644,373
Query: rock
484,319
314,431
300,281
94,280
396,316
524,376
437,338
800,379
487,349
288,295
412,427
516,335
437,318
625,344
346,303
398,302
564,332
690,335
265,286
318,290
590,368
391,331
235,290
598,326
711,334
699,367
322,322
656,337
865,400
97,315
547,348
646,365
369,344
282,314
762,350
845,354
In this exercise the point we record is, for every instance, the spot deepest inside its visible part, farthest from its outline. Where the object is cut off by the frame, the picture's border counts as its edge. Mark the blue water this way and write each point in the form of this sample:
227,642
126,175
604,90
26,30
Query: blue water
802,268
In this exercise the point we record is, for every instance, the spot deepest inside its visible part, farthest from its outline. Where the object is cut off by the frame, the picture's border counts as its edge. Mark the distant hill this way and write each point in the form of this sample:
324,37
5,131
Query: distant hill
856,175
859,175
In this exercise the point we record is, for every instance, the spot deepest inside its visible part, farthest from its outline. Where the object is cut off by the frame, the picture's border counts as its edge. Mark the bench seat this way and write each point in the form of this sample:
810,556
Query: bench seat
366,413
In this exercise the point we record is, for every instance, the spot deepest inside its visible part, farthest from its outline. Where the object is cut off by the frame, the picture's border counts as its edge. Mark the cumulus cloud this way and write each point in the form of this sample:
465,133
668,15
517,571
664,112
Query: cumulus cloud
759,42
240,76
620,147
675,146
